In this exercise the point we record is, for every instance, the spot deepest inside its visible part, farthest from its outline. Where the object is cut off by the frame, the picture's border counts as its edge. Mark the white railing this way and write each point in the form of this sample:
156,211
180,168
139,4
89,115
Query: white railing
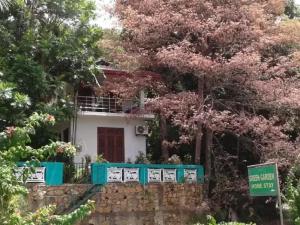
106,104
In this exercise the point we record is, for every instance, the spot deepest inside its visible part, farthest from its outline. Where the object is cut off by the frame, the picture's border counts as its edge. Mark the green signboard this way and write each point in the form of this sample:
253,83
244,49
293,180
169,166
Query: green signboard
263,180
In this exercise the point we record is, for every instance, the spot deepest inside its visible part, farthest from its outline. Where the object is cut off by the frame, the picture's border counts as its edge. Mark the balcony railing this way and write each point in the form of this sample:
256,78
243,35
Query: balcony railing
106,104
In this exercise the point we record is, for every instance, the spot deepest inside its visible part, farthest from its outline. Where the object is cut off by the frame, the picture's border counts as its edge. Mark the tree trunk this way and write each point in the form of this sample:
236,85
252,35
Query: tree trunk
198,146
208,151
163,137
199,132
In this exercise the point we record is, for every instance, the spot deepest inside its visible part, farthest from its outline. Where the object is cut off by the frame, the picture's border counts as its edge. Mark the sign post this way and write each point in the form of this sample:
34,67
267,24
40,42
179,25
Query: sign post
264,181
279,197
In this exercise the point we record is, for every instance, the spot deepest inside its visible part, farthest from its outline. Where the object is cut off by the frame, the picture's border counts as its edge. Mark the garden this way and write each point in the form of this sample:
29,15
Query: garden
225,96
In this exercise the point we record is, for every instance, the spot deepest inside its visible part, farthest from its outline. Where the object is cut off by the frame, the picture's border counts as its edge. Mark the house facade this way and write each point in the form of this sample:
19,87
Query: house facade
109,125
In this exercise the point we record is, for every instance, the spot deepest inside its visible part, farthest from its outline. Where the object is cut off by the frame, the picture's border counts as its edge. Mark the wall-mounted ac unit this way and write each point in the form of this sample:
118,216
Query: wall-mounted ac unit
78,148
141,130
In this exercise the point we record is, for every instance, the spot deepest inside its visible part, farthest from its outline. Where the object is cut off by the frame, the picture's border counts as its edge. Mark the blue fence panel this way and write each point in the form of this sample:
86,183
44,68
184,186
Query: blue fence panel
197,168
53,173
100,171
147,173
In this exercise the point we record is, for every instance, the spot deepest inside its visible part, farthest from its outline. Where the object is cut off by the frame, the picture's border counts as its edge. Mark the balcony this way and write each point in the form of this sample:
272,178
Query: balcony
106,104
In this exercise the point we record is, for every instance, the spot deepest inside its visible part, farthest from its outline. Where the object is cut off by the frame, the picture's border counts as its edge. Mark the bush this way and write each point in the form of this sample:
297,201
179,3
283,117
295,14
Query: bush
100,159
292,196
174,159
212,221
141,158
14,147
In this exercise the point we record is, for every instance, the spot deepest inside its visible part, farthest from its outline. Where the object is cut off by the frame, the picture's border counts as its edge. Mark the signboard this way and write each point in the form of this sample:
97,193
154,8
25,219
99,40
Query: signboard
38,176
263,180
169,175
154,175
190,175
131,174
114,174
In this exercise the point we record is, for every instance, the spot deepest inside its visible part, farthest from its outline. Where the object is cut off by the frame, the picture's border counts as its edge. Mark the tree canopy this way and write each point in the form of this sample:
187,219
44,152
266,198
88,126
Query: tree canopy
46,49
232,71
45,46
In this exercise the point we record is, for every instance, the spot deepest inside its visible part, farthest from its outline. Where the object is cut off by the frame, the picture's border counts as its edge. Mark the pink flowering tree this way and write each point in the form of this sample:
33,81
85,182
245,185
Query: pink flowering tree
230,67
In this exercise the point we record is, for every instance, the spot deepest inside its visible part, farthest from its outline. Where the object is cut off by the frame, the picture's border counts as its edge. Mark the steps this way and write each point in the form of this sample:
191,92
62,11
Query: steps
81,200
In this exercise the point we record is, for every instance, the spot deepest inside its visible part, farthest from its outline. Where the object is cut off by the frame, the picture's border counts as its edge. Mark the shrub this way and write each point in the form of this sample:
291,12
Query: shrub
292,196
141,158
212,221
100,159
14,147
174,159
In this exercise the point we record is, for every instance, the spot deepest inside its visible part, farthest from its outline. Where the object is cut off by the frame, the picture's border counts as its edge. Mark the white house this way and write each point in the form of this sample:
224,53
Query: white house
108,125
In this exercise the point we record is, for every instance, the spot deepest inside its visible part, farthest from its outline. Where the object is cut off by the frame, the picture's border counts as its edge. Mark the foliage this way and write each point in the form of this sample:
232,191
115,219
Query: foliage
184,150
292,10
129,86
174,159
45,216
4,4
231,69
78,172
47,48
13,104
14,147
292,196
100,159
113,51
141,158
187,159
212,221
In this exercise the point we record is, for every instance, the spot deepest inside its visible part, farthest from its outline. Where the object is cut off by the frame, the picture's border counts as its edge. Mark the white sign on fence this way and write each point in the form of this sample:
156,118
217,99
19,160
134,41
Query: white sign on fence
38,176
169,175
190,175
131,174
114,174
154,175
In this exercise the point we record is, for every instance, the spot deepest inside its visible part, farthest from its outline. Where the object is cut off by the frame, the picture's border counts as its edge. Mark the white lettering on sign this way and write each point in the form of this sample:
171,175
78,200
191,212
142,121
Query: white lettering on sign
262,177
131,174
154,175
169,175
254,178
114,174
38,176
267,176
190,175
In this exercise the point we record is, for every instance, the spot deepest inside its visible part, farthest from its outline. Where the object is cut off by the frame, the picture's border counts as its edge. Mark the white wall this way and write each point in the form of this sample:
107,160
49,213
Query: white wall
86,135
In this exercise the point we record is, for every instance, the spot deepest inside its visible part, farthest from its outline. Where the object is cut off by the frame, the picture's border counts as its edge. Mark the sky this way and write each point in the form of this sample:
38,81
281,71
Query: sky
105,20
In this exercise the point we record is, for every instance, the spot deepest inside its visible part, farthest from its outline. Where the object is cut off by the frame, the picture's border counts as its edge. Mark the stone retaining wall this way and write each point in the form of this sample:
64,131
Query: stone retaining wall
61,196
129,204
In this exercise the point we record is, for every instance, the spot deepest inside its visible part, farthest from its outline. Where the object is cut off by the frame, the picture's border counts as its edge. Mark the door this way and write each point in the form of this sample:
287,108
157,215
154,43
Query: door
111,143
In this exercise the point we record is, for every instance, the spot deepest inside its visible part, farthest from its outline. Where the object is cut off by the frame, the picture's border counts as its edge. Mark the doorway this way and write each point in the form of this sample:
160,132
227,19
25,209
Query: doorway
111,143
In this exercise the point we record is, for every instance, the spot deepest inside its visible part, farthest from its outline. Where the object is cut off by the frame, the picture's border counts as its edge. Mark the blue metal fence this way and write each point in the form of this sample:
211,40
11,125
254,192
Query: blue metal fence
53,172
103,173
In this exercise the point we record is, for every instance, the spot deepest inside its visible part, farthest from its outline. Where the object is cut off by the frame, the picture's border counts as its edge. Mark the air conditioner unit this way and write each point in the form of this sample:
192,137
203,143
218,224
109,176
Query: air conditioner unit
78,148
141,130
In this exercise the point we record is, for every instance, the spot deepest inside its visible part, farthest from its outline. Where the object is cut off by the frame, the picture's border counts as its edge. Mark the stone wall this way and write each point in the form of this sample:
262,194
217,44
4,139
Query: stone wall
61,196
129,204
